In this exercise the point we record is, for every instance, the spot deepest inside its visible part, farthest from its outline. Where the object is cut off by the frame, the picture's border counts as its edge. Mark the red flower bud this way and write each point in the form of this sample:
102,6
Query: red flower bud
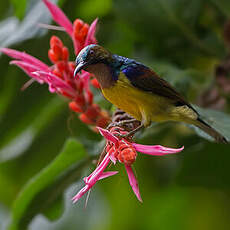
57,51
77,25
65,94
85,119
53,58
72,65
92,112
75,107
80,85
127,154
57,73
80,100
65,54
89,97
80,30
95,83
102,121
55,41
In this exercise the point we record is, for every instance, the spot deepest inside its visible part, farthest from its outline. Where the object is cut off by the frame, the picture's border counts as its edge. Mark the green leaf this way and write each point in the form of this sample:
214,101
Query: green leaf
42,191
216,119
55,210
19,7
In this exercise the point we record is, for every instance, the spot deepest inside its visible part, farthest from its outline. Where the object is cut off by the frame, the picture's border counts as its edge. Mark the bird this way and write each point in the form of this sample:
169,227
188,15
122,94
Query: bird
138,90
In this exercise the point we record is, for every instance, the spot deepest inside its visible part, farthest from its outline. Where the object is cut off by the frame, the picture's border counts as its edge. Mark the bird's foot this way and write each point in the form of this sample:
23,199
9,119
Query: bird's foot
120,123
131,133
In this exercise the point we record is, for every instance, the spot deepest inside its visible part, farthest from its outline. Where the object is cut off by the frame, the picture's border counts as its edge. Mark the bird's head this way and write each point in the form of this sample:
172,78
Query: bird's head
91,55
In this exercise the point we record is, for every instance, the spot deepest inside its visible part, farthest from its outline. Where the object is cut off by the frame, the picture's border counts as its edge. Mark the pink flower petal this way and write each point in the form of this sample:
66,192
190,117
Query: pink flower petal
93,177
77,46
81,193
110,137
28,69
113,159
25,57
59,17
52,89
55,82
133,182
97,174
155,150
107,174
84,75
91,33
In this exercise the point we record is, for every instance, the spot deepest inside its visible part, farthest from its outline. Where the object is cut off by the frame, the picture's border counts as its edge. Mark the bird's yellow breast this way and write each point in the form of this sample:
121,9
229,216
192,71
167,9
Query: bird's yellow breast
143,106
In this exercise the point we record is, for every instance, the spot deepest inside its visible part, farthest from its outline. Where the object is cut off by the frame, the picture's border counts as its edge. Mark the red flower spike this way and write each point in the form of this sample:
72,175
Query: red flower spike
59,77
84,31
54,40
77,25
80,85
95,83
75,107
72,65
62,66
92,112
52,56
65,54
57,73
65,94
103,121
80,100
57,51
85,119
89,97
80,30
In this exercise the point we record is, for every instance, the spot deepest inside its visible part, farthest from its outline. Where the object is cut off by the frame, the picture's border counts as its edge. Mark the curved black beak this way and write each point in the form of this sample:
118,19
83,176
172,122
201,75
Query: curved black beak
79,67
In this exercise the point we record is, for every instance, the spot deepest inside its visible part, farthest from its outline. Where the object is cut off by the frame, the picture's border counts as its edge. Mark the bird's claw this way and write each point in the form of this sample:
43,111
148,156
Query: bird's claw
123,135
121,124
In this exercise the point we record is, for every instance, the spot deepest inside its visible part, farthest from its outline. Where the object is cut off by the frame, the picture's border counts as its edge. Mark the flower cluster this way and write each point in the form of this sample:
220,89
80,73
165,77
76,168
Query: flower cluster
59,76
60,79
125,152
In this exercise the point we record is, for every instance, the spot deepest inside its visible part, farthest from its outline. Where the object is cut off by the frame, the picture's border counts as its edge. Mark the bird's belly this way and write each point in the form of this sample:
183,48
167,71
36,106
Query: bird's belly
124,99
143,106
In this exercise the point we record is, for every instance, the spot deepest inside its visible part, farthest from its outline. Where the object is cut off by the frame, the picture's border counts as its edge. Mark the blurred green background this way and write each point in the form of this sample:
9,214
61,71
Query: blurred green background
45,150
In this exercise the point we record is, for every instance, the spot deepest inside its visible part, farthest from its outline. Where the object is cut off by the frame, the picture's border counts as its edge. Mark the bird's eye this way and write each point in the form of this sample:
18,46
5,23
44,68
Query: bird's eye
91,52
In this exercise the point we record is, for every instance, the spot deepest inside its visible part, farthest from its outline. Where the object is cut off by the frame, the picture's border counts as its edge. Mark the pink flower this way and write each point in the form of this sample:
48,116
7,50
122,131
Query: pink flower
59,76
125,152
40,72
81,33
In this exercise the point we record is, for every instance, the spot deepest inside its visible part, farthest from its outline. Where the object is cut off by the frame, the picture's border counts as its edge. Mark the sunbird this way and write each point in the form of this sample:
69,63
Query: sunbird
138,90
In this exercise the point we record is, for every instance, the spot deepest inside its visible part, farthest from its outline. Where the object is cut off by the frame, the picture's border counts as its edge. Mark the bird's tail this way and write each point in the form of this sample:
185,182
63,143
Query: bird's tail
211,131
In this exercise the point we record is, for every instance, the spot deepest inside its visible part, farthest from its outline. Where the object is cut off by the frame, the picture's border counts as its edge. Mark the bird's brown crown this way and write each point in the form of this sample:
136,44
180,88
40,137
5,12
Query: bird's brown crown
93,54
